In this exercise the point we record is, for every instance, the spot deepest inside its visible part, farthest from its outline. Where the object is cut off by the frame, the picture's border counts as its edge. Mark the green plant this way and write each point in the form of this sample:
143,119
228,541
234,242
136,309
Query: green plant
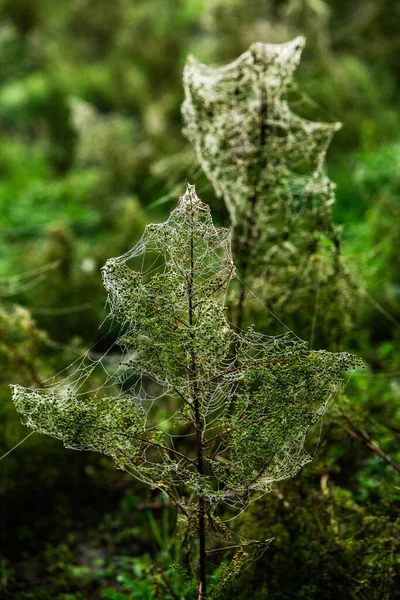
248,400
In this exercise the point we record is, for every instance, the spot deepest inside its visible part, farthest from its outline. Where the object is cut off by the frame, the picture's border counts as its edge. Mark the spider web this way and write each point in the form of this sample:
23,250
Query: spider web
247,137
253,397
267,163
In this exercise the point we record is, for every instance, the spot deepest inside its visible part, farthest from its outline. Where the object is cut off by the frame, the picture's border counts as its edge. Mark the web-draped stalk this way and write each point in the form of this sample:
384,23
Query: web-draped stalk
175,335
267,164
201,527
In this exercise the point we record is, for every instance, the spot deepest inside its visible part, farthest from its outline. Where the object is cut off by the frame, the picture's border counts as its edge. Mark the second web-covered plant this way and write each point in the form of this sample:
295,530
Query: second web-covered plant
267,164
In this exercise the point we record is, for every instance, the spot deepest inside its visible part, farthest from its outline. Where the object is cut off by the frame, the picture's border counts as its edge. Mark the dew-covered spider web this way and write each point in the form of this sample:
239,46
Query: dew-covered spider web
194,404
267,163
239,119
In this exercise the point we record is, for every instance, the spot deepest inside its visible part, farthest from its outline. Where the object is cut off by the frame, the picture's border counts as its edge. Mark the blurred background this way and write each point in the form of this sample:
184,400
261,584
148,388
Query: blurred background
91,150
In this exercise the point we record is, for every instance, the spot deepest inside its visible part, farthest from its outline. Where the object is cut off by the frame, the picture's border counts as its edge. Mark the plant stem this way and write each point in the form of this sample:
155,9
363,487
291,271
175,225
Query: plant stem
201,529
150,442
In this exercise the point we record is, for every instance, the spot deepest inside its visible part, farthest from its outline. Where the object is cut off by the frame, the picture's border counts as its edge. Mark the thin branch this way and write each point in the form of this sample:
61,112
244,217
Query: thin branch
256,474
177,318
162,447
259,361
175,501
364,438
152,443
183,397
232,547
163,489
216,437
229,276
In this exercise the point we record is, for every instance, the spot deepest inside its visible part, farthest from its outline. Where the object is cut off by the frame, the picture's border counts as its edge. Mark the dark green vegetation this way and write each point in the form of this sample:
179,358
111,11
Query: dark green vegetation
91,140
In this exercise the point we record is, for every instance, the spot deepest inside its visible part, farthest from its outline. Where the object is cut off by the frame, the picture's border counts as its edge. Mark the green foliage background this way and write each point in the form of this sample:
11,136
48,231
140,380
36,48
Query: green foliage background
71,196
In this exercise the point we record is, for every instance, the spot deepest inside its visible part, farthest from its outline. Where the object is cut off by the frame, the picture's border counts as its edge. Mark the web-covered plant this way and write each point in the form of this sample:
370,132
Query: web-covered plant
267,163
241,403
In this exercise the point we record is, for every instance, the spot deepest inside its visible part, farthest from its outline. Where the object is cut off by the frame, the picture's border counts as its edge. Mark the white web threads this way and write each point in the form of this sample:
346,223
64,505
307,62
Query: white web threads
256,396
267,163
103,424
246,136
